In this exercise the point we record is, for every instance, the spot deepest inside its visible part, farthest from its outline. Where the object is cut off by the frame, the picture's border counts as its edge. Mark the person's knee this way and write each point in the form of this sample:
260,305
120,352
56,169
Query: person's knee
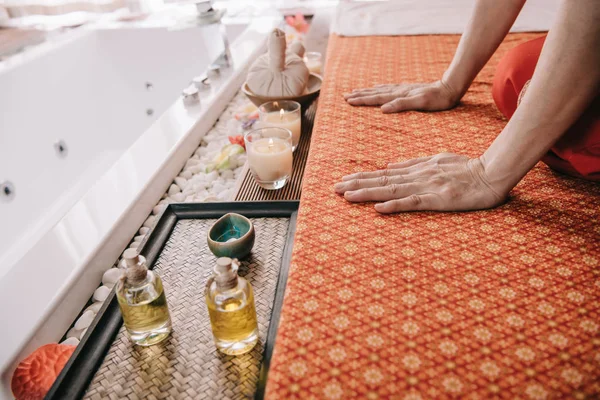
513,71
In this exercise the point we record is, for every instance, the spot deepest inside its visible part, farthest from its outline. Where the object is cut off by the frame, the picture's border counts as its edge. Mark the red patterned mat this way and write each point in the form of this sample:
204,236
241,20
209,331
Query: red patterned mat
492,304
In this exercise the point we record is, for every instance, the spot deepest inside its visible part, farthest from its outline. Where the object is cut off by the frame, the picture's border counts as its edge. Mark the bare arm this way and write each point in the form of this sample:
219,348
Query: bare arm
490,22
565,81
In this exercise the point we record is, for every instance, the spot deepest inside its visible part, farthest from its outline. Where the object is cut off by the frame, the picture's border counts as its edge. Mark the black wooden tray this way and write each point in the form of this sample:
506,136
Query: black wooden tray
79,371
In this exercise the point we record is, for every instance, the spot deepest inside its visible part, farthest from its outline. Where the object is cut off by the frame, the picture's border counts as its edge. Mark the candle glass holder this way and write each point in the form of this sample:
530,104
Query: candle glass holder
282,114
270,159
314,62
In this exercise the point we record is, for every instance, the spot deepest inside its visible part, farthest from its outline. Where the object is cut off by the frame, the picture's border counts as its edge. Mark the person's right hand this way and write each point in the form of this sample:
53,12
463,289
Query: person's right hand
435,96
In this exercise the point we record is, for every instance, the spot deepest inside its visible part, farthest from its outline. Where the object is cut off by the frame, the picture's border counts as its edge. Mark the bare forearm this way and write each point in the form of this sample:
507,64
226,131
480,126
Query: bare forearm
565,81
490,22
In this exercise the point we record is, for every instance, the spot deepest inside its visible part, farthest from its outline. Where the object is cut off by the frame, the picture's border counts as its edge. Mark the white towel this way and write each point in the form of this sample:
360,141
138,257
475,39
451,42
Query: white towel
417,17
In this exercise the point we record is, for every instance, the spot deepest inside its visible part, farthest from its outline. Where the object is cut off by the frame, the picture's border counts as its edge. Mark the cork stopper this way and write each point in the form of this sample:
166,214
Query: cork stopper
226,273
136,266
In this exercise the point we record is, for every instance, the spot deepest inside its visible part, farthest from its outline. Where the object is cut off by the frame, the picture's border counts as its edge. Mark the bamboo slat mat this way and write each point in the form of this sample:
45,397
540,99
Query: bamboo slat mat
249,190
187,365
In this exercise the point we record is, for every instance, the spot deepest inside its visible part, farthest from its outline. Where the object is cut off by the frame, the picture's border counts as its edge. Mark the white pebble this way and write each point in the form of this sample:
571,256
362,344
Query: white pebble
149,222
111,276
196,169
201,151
211,198
186,174
139,238
178,197
181,182
173,189
218,188
191,162
95,307
164,201
189,199
188,192
101,293
73,333
212,176
134,245
72,341
144,230
159,209
227,174
85,320
83,333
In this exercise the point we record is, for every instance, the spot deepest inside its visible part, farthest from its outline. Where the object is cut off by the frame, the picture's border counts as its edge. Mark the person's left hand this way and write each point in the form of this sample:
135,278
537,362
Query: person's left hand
445,182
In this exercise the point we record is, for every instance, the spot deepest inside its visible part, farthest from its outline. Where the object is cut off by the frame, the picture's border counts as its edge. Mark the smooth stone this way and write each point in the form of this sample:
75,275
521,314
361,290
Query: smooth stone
218,188
227,174
189,199
144,230
159,209
149,222
186,174
181,182
211,199
200,186
95,307
85,320
164,201
139,238
188,191
83,333
101,293
173,189
178,197
212,176
73,333
134,245
196,169
201,151
111,276
191,162
72,341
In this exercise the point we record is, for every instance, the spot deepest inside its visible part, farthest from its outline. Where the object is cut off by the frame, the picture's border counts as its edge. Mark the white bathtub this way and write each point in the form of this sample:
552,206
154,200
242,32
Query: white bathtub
112,97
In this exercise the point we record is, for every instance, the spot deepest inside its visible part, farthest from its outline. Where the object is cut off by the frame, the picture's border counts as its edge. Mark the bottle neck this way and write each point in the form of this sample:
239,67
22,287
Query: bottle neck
226,280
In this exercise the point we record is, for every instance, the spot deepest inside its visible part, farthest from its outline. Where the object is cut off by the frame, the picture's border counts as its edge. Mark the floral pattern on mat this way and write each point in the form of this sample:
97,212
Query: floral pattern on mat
501,303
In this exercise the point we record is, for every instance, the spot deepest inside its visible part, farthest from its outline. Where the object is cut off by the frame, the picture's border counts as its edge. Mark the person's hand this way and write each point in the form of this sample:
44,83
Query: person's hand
445,182
436,96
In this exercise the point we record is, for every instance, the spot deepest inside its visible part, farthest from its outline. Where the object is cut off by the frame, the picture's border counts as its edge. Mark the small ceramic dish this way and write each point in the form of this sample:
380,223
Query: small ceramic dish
231,236
312,91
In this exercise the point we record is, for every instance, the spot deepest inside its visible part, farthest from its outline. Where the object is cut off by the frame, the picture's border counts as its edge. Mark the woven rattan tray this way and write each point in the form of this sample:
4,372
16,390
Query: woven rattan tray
106,365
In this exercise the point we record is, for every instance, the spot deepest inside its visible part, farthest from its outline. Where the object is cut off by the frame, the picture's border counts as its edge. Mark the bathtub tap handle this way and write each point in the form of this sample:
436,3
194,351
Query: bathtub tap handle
201,82
190,96
214,71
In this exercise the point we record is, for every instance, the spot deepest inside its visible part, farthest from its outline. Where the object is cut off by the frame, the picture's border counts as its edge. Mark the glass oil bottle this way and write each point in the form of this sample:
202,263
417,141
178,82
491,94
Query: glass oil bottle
231,309
142,301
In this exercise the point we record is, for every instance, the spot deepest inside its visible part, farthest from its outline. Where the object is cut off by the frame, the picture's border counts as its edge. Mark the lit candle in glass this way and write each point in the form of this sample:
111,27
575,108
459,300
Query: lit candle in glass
313,62
283,114
270,156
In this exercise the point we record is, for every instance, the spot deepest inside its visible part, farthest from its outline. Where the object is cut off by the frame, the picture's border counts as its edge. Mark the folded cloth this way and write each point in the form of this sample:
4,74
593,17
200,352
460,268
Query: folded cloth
416,17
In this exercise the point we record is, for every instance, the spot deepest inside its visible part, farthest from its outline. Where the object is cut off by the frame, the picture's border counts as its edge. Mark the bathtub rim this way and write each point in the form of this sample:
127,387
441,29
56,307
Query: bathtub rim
139,207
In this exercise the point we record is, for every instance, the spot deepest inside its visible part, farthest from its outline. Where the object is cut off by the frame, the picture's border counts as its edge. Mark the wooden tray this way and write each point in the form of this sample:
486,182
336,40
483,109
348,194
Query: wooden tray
106,333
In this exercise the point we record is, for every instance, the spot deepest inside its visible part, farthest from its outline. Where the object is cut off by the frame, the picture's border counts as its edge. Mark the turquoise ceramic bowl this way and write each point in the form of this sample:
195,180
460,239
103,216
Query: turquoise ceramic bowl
231,236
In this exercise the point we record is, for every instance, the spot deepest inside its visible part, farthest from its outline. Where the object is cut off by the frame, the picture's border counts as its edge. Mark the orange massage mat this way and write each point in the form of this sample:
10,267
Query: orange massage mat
503,303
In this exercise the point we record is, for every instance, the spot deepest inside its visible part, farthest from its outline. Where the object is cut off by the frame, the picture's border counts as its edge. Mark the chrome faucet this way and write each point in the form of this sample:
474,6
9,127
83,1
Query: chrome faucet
209,16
